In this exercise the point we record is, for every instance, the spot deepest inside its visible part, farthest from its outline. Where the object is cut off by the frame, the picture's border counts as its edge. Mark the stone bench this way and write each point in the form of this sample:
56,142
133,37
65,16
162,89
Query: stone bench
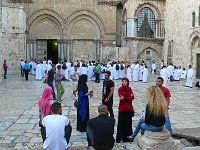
157,141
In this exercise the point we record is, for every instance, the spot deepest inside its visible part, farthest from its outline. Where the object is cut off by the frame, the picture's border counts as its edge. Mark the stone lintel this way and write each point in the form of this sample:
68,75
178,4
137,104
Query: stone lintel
157,40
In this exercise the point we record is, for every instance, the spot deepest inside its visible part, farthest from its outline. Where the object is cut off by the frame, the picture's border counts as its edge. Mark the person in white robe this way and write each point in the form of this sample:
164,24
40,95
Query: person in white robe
33,70
153,67
145,73
164,73
183,73
175,72
178,74
170,68
84,69
68,64
129,73
90,71
57,67
38,72
65,71
141,72
162,64
112,70
43,69
136,72
122,74
49,67
49,61
116,72
189,81
103,70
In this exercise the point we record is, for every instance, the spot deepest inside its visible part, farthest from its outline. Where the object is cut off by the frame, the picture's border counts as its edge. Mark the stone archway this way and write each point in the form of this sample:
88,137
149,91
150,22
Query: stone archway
150,55
85,31
195,52
44,27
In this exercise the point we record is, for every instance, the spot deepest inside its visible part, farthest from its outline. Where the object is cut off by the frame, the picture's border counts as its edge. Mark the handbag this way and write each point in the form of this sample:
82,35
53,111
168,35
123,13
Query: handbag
76,104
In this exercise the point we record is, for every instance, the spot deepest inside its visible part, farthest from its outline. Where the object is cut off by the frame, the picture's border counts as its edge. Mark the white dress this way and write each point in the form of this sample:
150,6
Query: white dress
141,73
145,75
136,73
189,78
38,72
129,74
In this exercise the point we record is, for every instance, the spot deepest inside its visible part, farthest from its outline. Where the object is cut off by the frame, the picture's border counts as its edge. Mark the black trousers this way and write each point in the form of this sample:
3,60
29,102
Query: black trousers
68,131
22,72
109,105
26,74
97,79
5,73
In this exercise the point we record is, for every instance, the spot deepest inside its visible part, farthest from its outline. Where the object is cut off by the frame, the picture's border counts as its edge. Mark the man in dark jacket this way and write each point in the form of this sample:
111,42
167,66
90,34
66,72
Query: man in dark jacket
100,130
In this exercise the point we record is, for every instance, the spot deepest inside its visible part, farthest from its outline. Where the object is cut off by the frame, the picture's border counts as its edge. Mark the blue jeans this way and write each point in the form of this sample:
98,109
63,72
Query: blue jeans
51,85
168,124
142,126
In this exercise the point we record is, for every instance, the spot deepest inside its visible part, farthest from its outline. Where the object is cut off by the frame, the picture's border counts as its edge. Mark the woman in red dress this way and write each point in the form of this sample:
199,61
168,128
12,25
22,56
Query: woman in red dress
126,112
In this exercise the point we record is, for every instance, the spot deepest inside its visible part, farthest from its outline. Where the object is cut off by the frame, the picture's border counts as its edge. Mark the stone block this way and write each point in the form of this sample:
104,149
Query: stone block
157,141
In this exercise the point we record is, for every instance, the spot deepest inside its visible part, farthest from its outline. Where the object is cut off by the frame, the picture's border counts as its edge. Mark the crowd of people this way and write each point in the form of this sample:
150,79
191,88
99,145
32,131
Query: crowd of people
55,127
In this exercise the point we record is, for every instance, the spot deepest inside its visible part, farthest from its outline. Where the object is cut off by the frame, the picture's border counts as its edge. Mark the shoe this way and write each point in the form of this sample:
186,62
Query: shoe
130,138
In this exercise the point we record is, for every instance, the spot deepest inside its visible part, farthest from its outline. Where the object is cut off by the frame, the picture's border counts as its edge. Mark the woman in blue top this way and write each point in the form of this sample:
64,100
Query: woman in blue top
26,70
83,110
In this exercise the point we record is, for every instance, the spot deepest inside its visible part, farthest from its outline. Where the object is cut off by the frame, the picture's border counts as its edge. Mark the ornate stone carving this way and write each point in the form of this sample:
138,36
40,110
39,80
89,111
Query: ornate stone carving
111,2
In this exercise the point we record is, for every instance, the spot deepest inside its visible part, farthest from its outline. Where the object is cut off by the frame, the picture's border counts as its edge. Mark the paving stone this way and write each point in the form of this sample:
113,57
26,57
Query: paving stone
4,125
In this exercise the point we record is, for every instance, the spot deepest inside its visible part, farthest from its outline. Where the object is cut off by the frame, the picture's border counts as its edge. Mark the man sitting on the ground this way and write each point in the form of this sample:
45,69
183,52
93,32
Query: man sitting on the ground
57,129
100,130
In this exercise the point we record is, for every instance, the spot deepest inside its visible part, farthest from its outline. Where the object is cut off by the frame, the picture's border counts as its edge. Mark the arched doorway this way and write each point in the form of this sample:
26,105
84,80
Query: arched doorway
195,55
44,34
150,55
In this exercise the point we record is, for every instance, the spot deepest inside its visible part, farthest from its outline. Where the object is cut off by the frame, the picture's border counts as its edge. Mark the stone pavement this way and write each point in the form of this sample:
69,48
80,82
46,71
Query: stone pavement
19,111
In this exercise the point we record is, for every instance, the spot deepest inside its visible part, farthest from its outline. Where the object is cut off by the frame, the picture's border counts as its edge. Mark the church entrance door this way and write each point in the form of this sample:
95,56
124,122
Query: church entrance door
198,66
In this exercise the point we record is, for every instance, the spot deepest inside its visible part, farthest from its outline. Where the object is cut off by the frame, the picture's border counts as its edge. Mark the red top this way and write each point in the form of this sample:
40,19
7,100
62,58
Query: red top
166,92
5,66
125,105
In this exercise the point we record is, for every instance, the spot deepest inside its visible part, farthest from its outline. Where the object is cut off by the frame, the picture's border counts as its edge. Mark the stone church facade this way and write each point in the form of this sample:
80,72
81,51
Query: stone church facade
125,30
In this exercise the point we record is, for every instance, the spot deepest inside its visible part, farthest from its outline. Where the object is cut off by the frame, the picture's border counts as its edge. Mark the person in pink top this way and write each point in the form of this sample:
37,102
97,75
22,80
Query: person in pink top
45,106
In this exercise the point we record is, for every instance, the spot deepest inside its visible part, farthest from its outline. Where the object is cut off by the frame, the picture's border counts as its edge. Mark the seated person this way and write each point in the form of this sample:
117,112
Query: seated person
156,109
57,129
100,130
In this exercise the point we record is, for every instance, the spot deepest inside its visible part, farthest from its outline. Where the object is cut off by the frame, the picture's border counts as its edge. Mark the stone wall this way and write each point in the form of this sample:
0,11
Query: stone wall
1,42
180,33
13,35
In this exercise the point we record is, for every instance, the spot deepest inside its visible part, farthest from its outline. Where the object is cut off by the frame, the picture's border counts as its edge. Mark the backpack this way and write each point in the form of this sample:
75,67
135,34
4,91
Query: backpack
64,66
122,67
117,67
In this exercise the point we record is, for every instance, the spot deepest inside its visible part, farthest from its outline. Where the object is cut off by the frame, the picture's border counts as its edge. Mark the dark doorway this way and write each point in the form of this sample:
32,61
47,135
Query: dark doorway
52,51
198,66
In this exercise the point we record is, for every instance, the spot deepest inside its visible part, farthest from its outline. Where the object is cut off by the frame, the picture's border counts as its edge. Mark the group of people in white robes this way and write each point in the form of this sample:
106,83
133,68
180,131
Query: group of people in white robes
137,72
174,73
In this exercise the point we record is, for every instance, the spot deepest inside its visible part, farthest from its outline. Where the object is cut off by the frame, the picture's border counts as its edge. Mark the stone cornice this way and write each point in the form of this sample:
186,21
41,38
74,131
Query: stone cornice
111,2
156,40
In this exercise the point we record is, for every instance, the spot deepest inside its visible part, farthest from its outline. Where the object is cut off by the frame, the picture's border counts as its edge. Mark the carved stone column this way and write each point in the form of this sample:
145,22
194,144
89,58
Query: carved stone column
59,50
65,50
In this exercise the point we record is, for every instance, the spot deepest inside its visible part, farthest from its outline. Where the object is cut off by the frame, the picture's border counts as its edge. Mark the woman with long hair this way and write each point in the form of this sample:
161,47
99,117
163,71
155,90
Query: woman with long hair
156,109
45,105
126,112
83,109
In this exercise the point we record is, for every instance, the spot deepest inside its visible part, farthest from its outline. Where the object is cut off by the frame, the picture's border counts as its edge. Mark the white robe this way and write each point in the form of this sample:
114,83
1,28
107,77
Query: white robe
129,74
183,74
90,72
145,73
136,73
178,74
189,77
112,70
84,70
170,68
38,72
153,66
141,73
103,74
33,71
49,67
164,73
68,68
115,72
175,73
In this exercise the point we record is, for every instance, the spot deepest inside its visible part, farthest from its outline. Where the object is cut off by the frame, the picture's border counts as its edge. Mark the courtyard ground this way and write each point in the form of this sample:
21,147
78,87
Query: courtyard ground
19,110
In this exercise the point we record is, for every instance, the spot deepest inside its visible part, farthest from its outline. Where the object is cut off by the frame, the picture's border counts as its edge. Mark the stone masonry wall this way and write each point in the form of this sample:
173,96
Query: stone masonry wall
1,42
13,36
179,30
